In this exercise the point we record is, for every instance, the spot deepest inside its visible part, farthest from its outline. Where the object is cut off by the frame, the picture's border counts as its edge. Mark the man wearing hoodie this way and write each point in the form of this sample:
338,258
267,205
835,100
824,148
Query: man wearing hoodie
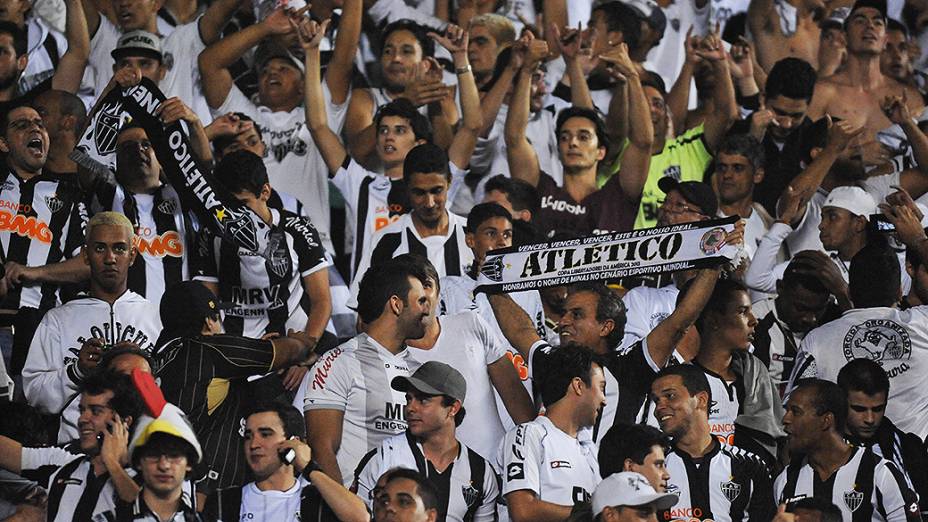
72,338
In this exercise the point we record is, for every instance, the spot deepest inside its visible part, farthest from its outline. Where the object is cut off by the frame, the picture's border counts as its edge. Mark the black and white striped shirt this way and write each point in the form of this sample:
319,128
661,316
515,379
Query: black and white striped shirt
75,492
867,488
205,377
774,343
42,222
467,488
727,484
265,286
906,451
164,232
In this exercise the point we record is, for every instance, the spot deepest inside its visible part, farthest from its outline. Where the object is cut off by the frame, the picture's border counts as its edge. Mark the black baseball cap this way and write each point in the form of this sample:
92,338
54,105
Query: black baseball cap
696,192
879,5
187,304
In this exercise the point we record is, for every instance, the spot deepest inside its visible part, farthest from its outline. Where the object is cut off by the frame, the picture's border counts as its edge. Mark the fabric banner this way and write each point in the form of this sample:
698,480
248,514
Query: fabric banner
197,188
611,256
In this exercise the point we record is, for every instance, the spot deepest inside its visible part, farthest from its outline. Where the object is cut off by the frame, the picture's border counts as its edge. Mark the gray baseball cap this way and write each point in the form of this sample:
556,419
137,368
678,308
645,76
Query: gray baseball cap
434,378
138,43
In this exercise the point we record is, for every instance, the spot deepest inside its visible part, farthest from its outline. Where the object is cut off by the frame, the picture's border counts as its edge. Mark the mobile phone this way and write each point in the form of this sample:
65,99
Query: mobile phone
791,502
881,223
109,428
287,455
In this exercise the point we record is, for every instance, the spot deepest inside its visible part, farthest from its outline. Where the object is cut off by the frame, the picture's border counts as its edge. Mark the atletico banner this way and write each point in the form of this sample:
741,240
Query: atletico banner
611,256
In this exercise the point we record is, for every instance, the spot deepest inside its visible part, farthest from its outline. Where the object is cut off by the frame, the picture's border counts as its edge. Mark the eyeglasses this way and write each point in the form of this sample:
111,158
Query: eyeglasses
172,458
680,208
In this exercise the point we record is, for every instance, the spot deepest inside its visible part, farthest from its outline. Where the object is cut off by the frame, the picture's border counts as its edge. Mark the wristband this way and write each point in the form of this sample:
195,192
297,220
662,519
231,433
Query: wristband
312,466
463,70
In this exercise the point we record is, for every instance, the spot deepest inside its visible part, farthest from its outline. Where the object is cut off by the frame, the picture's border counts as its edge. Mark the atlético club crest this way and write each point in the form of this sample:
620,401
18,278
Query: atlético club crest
278,260
493,269
731,490
853,499
167,206
54,203
471,495
241,229
106,128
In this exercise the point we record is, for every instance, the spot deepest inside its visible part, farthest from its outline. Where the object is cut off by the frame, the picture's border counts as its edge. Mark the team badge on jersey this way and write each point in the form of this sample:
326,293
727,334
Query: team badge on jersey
882,341
54,203
515,471
731,490
853,499
493,269
278,260
471,494
242,230
167,206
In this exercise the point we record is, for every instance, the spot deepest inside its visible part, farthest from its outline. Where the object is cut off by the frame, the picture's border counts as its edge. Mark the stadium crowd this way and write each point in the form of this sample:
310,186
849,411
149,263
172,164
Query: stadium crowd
250,255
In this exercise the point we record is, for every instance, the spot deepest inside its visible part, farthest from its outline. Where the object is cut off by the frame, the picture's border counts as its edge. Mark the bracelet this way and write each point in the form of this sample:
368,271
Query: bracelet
312,466
463,70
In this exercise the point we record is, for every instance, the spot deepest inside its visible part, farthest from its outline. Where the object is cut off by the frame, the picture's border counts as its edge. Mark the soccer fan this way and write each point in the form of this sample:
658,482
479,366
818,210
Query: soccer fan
164,451
349,404
579,207
46,43
862,485
896,58
549,468
801,304
466,482
855,92
288,485
375,201
808,509
293,161
85,480
782,31
410,72
490,33
779,125
182,44
496,401
518,197
875,329
287,290
867,389
407,496
204,373
746,406
739,487
637,448
739,168
628,497
64,115
40,245
72,338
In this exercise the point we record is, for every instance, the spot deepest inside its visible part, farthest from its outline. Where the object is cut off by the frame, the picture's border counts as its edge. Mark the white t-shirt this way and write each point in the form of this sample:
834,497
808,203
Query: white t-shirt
896,339
666,59
181,49
294,163
355,378
279,506
645,308
541,458
468,345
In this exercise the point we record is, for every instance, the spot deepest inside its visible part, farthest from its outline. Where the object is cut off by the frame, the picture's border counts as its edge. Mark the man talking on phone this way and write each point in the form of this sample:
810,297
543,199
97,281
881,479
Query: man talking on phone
288,485
71,339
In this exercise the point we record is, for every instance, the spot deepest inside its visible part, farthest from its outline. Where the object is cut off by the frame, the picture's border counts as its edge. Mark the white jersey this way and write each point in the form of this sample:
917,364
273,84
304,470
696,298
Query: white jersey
541,458
181,49
51,376
45,46
774,343
725,405
896,339
74,491
355,378
294,163
272,504
866,488
448,253
468,345
374,201
646,308
467,488
457,295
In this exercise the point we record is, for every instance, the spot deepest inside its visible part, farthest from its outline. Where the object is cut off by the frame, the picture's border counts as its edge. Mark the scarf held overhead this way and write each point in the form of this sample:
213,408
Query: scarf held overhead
611,256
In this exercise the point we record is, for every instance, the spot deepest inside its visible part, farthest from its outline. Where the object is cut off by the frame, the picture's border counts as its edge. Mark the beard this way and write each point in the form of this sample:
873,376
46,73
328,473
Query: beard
9,80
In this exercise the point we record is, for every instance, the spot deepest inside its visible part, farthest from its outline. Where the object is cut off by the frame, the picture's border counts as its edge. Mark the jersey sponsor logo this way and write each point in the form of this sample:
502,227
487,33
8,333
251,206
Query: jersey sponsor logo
323,367
300,226
21,225
383,222
555,464
470,494
518,441
7,185
70,481
685,514
730,489
853,499
394,411
882,341
17,208
562,206
515,471
168,206
54,203
167,244
255,298
674,172
519,363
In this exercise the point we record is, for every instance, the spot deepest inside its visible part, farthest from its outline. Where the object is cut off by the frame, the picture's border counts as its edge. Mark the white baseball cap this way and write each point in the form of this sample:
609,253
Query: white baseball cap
629,489
853,199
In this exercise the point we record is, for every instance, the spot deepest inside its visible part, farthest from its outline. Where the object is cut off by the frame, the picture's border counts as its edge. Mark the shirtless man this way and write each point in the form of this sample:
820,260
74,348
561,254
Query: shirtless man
784,29
855,92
